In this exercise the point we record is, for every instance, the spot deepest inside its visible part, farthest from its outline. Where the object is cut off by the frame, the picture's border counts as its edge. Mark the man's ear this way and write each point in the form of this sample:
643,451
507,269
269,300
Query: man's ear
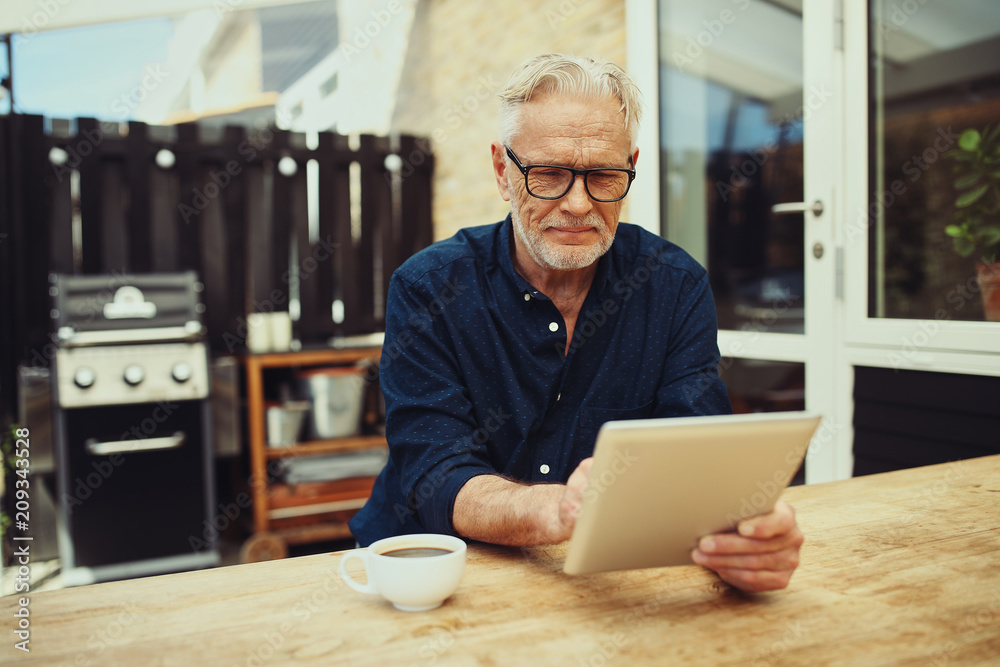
635,157
500,169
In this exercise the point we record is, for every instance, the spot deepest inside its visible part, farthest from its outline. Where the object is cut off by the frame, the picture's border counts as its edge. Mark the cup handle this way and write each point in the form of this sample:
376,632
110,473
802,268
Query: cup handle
361,588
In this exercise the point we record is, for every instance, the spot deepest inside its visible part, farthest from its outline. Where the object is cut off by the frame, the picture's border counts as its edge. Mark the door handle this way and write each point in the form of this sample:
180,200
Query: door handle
126,446
798,207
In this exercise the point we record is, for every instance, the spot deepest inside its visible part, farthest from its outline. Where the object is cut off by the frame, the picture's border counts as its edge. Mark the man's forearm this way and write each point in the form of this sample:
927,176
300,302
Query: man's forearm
490,508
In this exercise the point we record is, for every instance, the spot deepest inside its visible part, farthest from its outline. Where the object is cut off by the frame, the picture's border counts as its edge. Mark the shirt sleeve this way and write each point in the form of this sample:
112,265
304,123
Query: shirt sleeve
691,384
434,441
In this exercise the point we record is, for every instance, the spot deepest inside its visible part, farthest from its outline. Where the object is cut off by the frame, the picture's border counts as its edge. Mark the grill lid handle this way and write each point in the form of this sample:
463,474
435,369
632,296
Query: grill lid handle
69,337
97,448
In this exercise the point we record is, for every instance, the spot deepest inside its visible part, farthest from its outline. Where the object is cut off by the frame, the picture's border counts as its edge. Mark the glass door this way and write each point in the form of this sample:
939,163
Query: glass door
750,107
922,231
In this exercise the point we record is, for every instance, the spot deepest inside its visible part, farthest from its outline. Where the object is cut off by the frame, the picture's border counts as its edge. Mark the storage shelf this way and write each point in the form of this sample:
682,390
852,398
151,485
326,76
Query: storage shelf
322,357
316,510
282,496
335,446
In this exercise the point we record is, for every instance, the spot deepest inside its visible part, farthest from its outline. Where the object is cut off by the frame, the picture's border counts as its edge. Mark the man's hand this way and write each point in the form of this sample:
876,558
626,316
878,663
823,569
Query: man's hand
761,556
570,503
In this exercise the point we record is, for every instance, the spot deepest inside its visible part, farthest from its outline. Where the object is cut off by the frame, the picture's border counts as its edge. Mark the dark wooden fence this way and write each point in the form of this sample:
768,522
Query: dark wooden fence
231,204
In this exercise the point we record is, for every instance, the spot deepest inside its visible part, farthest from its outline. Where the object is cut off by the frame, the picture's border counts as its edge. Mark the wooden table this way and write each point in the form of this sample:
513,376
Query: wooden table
899,568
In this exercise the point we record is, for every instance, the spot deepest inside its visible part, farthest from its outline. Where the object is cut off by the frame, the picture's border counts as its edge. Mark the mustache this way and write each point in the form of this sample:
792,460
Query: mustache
590,220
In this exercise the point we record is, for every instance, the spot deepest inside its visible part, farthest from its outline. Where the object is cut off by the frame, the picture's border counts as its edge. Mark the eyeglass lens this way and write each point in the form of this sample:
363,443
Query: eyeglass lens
556,182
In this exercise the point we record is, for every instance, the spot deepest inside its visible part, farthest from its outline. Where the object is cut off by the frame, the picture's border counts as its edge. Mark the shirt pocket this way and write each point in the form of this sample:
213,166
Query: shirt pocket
595,417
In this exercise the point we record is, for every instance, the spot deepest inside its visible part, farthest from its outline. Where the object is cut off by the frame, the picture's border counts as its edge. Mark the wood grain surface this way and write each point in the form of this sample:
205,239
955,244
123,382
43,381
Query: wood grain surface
899,568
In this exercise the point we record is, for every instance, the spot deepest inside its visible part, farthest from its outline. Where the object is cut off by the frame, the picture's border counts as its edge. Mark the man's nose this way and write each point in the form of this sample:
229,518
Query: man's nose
577,201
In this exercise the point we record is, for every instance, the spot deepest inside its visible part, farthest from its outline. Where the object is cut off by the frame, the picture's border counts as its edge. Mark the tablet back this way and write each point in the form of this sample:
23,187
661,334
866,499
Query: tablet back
657,485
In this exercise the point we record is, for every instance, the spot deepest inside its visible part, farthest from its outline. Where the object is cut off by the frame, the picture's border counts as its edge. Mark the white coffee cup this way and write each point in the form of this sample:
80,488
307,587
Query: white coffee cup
410,581
280,324
258,333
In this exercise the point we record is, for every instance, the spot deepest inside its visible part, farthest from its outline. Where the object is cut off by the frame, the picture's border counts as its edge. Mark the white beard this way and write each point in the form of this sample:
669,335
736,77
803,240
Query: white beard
557,256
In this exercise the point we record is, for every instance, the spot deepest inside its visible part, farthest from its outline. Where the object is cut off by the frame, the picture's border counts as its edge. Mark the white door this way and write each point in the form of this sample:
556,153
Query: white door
745,135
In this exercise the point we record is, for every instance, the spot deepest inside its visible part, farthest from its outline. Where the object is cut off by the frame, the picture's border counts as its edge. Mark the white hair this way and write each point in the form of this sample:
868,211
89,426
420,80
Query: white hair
576,76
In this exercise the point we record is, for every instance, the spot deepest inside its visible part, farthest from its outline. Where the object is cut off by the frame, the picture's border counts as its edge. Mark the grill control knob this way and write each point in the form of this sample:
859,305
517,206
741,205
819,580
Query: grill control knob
134,374
181,372
84,377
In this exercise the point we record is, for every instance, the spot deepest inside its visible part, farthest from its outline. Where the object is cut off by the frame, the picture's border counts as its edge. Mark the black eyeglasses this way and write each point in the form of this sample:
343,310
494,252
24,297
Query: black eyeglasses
548,181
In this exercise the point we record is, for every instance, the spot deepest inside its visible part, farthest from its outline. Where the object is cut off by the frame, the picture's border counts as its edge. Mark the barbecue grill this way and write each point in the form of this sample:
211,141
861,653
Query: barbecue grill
134,466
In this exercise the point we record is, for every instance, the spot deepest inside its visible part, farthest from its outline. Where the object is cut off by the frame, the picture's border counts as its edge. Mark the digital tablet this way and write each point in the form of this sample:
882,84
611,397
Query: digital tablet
657,485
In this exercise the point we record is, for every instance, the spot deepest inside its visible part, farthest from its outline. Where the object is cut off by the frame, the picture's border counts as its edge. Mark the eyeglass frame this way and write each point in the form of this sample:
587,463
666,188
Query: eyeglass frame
524,168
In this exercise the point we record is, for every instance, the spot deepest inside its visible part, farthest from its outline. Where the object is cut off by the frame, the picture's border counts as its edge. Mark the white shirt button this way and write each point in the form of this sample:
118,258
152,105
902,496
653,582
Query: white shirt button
553,326
544,469
527,297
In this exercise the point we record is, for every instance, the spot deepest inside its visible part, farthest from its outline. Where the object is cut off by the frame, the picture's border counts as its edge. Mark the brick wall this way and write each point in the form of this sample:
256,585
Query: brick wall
460,54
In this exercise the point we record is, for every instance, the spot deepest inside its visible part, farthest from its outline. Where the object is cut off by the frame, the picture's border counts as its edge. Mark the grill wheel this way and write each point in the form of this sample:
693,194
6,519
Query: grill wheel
262,547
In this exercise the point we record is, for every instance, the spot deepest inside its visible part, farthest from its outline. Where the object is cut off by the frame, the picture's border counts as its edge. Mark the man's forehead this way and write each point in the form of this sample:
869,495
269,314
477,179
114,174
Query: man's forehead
594,123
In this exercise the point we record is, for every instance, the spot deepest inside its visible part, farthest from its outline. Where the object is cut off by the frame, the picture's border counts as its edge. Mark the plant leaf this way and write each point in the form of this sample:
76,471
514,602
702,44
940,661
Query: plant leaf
964,246
967,180
989,235
954,231
969,141
972,196
991,135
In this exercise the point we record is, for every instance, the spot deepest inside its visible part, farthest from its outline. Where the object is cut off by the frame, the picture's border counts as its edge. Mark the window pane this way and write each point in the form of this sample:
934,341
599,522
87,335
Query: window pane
935,73
757,385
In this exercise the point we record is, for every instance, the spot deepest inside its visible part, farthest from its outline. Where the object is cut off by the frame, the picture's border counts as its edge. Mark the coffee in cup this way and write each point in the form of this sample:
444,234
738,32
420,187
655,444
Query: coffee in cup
413,572
417,552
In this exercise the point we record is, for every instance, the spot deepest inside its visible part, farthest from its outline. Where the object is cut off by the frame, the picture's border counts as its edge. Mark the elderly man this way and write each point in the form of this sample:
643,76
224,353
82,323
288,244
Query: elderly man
508,345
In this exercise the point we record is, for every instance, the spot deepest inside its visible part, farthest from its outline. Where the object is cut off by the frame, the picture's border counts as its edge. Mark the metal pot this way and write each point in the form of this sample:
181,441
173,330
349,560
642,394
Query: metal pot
336,397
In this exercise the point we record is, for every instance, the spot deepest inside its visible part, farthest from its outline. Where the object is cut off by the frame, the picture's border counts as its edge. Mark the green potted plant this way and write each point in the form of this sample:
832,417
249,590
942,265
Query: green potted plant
976,228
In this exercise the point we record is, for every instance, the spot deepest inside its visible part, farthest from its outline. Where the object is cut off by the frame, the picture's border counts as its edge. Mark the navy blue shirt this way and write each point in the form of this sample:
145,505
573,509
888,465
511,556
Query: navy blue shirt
477,379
